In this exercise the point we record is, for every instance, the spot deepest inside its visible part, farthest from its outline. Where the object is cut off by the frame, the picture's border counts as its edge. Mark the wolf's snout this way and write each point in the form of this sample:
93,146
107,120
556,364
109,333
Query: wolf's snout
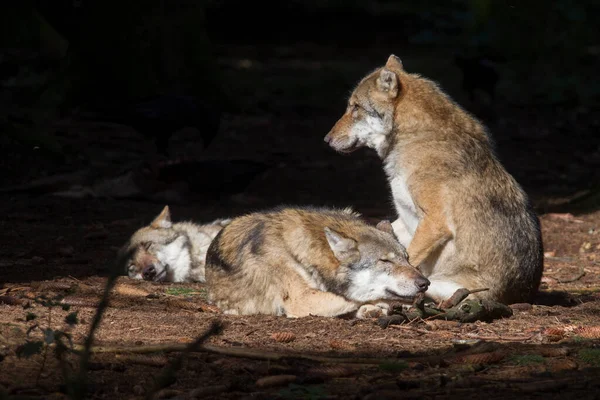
149,272
422,284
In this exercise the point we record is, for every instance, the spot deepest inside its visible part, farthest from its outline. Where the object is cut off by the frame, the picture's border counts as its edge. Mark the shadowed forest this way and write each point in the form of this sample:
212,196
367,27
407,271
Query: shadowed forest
111,110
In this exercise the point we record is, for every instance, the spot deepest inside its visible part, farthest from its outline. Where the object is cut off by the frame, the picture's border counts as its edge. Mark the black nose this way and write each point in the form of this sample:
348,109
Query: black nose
422,283
149,272
327,138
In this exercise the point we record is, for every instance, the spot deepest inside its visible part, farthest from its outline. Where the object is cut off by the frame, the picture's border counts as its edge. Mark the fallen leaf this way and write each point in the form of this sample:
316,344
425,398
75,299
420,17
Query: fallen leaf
127,290
283,337
589,332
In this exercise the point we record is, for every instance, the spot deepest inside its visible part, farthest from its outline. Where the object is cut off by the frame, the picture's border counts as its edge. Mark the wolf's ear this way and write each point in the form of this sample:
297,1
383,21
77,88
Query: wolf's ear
387,82
394,62
163,220
386,226
343,247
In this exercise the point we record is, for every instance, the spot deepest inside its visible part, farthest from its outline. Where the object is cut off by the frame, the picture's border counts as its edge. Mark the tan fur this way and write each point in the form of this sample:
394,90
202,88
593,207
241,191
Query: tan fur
180,247
283,262
464,219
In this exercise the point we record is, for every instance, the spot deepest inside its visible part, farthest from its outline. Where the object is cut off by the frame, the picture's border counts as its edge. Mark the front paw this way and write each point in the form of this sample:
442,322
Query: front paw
372,311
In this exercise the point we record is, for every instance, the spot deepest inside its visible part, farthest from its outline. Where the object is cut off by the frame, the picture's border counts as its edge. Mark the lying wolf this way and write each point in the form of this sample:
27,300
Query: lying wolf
169,252
309,261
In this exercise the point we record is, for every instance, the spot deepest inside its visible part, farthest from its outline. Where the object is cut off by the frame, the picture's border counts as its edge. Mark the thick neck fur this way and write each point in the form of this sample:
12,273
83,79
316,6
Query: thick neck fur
426,114
198,240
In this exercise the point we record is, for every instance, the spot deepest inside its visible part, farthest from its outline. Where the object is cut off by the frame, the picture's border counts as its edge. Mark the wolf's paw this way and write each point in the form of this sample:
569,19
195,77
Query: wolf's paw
372,311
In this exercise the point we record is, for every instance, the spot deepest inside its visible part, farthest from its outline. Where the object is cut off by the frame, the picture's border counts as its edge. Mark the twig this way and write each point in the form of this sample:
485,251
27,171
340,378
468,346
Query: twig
410,328
580,274
45,356
169,371
458,296
257,354
505,338
77,387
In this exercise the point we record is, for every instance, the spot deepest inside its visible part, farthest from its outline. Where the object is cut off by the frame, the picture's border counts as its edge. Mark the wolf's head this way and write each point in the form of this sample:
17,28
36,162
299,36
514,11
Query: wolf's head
156,251
384,99
375,265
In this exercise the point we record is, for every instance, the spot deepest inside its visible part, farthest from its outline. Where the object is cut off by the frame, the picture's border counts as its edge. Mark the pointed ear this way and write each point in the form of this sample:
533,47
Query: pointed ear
341,245
386,226
163,220
394,62
387,82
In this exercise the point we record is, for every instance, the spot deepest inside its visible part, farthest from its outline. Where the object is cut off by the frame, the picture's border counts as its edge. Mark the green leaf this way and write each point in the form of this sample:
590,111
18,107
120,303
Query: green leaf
48,335
71,319
30,348
30,316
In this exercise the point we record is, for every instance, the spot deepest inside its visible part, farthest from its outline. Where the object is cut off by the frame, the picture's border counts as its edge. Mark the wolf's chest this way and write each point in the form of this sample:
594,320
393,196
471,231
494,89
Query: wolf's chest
403,201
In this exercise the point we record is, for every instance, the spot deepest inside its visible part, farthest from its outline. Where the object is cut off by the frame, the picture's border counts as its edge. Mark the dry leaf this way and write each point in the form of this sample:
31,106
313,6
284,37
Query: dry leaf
554,331
182,304
51,286
340,345
275,380
589,332
550,254
127,290
283,337
440,324
209,308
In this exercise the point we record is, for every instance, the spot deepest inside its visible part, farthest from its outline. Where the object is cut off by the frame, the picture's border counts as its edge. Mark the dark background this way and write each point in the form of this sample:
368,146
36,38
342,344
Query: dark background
91,96
111,109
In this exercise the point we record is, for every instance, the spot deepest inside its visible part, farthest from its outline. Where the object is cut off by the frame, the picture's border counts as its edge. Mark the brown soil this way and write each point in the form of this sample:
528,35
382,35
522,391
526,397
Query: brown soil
56,246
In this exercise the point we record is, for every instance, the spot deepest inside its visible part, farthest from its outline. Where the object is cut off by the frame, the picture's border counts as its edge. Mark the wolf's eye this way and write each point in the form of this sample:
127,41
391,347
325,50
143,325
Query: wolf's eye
147,245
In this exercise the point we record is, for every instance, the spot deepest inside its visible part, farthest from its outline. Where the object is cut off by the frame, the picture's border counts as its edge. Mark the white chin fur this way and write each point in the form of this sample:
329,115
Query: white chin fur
369,285
177,256
370,132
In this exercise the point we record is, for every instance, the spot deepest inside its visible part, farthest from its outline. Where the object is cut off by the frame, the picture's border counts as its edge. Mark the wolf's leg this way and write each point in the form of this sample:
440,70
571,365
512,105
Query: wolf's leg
316,302
431,234
372,310
402,234
443,287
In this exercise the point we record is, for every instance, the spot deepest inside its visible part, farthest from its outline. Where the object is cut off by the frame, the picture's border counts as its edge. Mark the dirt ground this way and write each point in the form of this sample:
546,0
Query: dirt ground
56,246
